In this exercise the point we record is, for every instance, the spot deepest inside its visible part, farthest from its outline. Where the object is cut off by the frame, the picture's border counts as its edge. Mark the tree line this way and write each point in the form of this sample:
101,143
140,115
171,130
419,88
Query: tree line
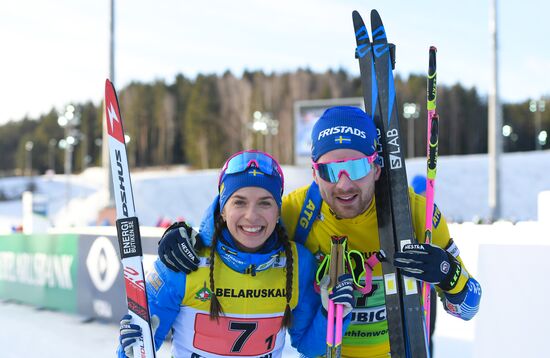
200,121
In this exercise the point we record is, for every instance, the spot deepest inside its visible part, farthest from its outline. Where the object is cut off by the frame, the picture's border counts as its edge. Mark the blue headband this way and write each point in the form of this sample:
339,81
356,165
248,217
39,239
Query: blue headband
343,127
248,164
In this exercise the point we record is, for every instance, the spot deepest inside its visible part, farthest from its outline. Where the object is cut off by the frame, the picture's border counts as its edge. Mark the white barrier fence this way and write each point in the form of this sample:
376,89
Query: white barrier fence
512,263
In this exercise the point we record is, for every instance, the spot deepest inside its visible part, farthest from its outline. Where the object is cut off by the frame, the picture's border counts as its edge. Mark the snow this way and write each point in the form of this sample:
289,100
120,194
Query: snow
461,193
461,190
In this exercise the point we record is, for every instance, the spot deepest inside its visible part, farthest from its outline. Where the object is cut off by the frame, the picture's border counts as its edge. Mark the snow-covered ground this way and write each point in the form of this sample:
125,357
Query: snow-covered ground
31,332
461,193
461,190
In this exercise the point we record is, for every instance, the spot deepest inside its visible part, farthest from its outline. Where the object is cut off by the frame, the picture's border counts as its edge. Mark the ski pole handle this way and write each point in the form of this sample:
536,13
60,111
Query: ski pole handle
336,269
339,308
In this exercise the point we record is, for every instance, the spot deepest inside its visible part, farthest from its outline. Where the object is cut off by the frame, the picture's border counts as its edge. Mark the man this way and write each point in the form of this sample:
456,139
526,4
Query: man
341,202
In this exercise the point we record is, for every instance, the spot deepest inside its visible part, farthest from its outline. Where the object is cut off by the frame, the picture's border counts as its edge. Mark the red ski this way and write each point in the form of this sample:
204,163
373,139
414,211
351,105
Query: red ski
129,238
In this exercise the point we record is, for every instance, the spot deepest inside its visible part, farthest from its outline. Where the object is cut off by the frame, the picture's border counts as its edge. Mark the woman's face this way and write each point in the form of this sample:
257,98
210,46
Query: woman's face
251,214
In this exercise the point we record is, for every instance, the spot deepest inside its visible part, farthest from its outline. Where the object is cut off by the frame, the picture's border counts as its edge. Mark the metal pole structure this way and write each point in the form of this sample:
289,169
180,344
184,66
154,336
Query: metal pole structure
541,107
68,167
411,111
28,148
112,44
495,123
105,149
51,153
410,141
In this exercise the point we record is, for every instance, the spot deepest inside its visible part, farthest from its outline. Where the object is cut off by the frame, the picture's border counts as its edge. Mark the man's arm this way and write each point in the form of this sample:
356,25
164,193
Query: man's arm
460,292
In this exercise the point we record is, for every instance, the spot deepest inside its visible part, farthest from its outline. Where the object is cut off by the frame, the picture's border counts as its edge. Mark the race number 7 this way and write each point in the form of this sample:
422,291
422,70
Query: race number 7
236,336
247,327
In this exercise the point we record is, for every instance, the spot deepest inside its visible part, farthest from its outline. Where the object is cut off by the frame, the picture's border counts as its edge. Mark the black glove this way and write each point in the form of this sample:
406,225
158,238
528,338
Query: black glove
177,248
429,263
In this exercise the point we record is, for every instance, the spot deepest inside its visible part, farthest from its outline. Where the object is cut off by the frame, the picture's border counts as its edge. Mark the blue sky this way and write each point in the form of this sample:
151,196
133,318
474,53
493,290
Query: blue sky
56,52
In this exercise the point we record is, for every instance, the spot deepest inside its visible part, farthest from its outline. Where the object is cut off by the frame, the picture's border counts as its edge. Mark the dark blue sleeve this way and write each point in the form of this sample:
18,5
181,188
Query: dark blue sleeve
464,304
165,291
309,327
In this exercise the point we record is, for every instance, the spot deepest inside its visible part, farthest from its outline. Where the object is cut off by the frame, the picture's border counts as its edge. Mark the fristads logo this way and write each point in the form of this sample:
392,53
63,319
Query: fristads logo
342,130
102,263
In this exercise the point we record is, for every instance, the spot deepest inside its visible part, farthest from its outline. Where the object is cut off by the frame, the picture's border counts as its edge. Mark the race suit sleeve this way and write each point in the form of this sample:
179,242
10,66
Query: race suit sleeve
165,291
463,300
309,327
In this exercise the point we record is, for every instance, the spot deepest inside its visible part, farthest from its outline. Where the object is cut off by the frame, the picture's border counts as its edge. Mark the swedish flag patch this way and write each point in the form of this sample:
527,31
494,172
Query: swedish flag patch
341,139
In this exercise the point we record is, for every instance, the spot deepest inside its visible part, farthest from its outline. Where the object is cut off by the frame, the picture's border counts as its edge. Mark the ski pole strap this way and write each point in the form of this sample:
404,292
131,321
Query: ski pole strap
361,268
308,214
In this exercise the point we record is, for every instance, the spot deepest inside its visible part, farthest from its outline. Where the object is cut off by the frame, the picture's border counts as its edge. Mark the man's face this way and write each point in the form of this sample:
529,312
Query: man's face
347,198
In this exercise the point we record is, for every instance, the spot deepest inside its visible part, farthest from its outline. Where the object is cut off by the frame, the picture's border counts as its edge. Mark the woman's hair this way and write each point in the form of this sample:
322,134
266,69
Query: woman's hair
282,235
215,305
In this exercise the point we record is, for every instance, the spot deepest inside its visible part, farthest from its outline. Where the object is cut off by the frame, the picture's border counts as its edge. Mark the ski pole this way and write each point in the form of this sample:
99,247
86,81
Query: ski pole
432,153
332,280
335,312
339,308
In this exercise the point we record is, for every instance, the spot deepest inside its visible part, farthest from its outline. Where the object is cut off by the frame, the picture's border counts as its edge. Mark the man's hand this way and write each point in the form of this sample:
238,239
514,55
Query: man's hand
429,263
177,248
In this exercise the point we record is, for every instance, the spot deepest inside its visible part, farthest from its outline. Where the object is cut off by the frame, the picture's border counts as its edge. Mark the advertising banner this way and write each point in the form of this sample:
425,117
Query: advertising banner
39,270
306,113
101,285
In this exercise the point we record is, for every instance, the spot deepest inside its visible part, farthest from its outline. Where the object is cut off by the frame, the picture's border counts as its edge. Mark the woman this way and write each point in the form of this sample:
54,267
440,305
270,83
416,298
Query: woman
252,283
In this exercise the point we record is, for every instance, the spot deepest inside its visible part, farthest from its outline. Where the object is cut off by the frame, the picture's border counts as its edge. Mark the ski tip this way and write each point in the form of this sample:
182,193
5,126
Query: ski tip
376,22
109,88
357,20
433,49
374,13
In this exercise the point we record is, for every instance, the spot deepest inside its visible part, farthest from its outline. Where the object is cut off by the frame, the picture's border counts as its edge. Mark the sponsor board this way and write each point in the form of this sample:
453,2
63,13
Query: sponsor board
39,270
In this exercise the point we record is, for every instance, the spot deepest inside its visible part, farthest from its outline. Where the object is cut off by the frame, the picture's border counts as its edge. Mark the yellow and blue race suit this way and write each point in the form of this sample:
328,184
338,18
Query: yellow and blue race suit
367,335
